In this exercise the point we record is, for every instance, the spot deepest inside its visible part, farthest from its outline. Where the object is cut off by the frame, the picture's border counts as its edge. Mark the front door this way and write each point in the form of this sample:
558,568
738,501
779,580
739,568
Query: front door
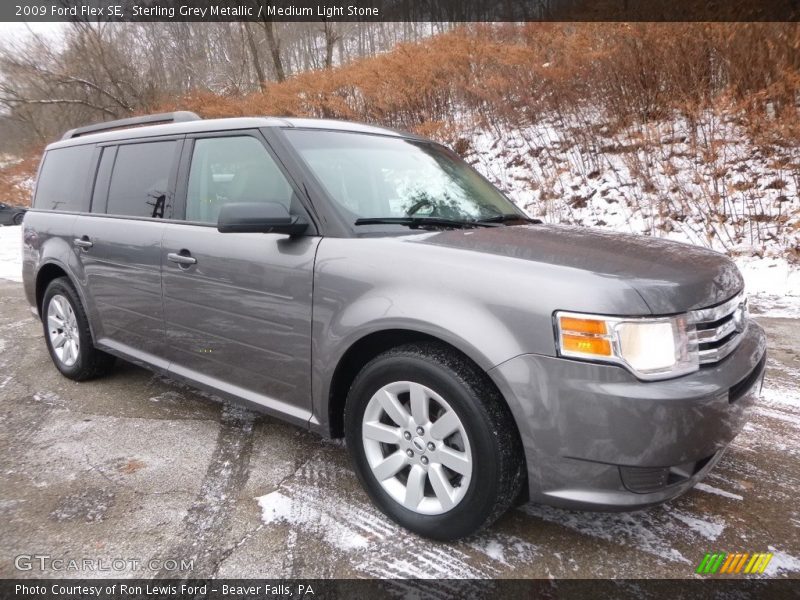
238,305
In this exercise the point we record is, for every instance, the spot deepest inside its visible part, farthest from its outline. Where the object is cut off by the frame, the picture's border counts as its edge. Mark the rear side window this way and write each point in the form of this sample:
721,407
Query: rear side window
140,180
62,183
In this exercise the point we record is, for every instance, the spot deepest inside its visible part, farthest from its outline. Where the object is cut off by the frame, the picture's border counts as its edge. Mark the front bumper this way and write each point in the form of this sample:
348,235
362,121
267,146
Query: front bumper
595,437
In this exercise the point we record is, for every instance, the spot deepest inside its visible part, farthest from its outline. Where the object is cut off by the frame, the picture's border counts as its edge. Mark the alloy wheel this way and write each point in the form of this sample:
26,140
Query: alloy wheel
62,327
417,447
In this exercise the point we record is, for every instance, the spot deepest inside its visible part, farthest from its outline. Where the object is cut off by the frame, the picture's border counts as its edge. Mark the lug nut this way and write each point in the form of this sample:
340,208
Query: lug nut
410,453
407,435
420,431
431,446
424,460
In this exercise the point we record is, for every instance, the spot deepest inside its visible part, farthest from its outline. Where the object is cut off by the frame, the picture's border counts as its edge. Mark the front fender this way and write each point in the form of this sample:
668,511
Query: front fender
359,291
465,324
474,331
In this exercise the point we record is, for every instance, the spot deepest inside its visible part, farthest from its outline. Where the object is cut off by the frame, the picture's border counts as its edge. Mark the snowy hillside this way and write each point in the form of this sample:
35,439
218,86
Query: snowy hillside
705,185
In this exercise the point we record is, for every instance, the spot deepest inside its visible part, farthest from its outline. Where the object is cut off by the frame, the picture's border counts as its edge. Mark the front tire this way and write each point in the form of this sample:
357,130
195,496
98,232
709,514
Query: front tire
67,334
17,220
432,441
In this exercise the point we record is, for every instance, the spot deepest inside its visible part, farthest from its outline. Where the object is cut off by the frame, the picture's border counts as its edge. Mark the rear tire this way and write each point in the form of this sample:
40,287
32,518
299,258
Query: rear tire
17,220
67,334
433,442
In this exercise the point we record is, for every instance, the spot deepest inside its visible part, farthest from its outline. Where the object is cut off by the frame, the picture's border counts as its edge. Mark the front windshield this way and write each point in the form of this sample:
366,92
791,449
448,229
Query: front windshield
376,176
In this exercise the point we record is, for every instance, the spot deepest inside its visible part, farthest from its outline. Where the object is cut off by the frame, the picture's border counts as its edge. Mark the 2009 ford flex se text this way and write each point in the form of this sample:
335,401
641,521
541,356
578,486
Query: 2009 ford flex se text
369,284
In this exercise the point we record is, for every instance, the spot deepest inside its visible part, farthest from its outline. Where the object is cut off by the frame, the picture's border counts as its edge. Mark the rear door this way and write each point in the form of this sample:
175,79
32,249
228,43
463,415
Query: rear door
238,305
119,245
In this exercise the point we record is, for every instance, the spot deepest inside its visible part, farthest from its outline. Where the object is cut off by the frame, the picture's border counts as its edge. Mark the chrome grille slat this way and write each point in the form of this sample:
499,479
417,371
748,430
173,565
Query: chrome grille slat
713,355
715,313
706,336
724,323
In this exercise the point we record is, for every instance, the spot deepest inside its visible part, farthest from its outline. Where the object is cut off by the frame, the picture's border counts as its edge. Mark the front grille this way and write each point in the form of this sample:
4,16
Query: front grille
720,328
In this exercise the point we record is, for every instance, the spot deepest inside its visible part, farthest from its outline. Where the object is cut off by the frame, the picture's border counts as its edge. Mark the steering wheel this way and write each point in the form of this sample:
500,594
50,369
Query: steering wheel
414,208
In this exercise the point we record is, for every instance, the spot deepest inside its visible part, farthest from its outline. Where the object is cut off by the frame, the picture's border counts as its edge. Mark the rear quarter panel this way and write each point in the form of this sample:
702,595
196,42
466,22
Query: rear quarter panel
47,238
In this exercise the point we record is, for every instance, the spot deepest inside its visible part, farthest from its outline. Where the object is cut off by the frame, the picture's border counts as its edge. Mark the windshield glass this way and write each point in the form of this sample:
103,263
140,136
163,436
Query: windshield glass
374,176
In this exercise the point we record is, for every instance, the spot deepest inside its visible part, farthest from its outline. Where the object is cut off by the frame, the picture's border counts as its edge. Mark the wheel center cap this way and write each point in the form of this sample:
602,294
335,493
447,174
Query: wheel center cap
419,445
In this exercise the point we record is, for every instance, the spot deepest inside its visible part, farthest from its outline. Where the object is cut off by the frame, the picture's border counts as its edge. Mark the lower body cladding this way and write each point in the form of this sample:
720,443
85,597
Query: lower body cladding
597,438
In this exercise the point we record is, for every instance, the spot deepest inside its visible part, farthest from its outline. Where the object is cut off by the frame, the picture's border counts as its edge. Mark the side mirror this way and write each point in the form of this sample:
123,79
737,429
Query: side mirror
259,217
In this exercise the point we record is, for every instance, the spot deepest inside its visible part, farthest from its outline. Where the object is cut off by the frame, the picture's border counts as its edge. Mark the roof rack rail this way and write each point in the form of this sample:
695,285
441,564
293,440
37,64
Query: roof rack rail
170,117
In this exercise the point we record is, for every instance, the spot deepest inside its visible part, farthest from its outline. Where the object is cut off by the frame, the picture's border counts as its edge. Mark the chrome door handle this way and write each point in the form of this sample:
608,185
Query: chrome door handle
83,242
181,259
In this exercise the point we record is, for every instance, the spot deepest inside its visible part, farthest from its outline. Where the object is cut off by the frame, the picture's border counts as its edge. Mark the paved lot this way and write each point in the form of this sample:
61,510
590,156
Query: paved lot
136,466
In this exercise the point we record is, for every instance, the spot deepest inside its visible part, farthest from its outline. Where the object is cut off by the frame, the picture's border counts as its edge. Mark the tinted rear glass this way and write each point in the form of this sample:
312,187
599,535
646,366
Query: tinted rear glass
63,178
140,180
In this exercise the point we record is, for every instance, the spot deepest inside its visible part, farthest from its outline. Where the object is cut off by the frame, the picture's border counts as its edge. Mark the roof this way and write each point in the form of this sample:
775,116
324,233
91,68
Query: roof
233,124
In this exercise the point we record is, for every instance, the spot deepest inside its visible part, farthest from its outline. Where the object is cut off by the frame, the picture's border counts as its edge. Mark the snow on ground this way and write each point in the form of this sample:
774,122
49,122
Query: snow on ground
312,503
11,253
316,502
773,286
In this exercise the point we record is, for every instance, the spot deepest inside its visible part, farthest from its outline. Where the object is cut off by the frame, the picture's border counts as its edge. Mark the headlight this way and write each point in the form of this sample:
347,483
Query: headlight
651,348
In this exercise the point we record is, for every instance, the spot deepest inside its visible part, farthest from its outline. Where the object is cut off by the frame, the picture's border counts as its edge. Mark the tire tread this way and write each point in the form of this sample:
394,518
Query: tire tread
93,363
511,469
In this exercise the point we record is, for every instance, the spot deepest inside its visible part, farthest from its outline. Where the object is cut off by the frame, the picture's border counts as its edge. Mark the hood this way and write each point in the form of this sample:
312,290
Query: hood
671,277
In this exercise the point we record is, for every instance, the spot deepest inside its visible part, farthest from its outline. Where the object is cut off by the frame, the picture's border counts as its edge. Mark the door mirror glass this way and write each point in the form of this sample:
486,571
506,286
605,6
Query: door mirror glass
259,217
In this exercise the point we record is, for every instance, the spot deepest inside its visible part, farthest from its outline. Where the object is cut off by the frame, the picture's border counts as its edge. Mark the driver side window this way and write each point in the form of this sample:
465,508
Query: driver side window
232,169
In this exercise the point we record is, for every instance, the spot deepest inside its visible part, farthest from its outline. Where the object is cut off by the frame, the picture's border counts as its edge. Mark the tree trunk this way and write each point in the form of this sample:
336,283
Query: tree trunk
251,44
275,50
331,37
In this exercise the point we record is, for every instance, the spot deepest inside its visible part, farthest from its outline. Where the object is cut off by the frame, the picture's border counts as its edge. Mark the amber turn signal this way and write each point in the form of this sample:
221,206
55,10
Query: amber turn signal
576,325
585,344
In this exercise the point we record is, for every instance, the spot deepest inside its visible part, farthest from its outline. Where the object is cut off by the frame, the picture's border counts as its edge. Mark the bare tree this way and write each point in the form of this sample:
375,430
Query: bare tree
332,36
102,71
275,49
251,44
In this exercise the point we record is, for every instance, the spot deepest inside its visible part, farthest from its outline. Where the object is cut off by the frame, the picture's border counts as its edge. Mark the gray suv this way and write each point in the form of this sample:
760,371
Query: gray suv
368,284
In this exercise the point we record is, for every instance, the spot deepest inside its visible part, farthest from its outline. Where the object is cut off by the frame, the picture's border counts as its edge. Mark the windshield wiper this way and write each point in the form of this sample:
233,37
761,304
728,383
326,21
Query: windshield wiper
509,217
420,222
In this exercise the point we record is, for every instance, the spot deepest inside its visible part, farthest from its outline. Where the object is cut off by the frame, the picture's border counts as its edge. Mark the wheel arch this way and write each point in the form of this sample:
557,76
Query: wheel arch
46,274
53,270
367,347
